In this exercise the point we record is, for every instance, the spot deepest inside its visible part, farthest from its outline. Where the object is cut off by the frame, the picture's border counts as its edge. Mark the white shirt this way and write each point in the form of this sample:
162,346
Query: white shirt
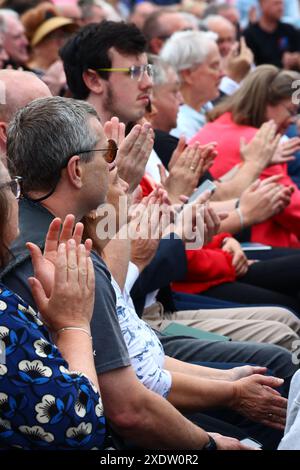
145,350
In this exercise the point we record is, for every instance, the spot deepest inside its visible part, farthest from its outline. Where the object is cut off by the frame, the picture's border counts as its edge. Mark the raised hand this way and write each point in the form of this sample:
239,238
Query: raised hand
44,263
71,301
134,150
261,149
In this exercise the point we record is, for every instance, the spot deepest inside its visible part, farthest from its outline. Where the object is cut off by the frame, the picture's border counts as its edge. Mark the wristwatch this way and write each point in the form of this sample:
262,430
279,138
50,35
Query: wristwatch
211,445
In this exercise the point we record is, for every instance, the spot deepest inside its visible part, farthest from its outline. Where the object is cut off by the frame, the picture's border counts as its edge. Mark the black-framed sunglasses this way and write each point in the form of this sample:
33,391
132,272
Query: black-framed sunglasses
110,152
109,156
14,185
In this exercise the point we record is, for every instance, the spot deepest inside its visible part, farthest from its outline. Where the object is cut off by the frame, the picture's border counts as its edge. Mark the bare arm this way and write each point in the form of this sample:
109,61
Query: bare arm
143,417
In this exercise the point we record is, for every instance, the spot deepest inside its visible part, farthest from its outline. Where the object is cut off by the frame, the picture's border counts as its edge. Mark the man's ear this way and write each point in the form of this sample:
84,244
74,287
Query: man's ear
74,172
93,82
155,45
3,133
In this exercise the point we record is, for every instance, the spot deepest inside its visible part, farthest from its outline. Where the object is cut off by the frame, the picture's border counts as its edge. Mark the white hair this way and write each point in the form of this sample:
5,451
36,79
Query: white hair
185,49
6,13
111,13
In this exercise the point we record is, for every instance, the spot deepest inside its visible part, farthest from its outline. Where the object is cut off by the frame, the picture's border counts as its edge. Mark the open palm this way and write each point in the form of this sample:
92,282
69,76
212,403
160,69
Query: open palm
44,263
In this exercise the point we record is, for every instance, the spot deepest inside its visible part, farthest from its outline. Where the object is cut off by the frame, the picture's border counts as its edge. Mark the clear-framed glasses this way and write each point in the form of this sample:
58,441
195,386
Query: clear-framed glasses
14,185
136,72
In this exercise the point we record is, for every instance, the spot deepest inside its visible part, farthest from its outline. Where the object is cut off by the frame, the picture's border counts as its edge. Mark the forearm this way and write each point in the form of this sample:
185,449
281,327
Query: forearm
116,255
145,418
247,173
223,206
190,393
233,223
174,365
76,347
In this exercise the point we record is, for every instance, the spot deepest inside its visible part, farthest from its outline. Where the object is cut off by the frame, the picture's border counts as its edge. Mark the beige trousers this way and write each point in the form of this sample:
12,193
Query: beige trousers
272,325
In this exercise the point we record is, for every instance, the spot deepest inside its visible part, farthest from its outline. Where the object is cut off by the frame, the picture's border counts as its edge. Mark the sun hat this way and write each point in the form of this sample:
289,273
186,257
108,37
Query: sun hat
50,25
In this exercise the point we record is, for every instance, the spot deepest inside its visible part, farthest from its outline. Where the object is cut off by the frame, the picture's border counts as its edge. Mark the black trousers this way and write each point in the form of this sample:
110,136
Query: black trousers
273,281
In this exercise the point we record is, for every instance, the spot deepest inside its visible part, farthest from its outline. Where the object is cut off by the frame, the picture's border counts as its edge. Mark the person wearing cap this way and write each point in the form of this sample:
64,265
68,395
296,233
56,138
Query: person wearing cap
47,32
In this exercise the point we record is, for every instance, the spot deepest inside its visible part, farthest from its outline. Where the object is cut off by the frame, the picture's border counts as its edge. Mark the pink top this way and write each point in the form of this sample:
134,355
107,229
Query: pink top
282,229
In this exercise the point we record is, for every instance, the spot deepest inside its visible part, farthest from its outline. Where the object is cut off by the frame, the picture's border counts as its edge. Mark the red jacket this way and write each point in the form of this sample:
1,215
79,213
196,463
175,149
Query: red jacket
207,267
281,230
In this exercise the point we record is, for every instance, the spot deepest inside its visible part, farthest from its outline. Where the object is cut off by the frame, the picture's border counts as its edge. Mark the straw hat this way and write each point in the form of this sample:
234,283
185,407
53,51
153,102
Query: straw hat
50,25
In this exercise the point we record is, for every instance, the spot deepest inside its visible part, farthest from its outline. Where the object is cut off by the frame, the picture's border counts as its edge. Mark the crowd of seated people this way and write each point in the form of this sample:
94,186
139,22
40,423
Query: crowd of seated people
127,294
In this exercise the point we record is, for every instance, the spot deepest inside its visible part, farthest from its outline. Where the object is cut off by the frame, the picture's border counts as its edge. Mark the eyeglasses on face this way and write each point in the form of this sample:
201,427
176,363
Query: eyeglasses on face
14,185
109,156
110,151
136,72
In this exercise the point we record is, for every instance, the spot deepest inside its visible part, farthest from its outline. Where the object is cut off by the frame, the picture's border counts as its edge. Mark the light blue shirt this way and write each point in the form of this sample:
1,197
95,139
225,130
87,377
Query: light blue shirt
189,121
291,11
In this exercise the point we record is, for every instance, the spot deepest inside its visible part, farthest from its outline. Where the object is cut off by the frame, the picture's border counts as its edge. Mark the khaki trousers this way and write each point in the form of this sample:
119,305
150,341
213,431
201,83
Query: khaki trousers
272,325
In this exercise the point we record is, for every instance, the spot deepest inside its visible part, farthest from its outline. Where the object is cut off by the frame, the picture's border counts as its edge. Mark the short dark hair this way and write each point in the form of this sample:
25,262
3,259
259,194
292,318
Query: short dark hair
89,49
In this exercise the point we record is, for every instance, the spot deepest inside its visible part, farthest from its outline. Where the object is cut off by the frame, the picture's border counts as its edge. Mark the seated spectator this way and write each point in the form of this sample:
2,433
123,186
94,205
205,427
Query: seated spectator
156,371
3,53
37,411
141,11
90,12
196,58
237,58
160,26
265,94
14,39
271,41
78,178
46,32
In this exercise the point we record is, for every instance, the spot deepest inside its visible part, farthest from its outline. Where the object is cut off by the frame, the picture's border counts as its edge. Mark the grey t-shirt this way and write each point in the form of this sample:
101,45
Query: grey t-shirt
110,348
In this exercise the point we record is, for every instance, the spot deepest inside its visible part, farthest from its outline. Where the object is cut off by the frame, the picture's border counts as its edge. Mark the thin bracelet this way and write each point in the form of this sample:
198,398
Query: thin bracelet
241,217
76,328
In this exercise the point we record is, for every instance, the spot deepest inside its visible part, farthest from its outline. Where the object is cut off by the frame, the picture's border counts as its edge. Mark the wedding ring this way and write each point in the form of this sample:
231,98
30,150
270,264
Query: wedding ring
192,168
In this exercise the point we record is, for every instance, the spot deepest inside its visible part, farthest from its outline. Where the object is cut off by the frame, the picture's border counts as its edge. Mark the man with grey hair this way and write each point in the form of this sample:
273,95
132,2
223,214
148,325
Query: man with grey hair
3,54
196,58
237,58
14,40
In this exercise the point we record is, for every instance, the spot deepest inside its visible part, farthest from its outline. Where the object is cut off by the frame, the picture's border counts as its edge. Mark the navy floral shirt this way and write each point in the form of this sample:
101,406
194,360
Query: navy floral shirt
43,405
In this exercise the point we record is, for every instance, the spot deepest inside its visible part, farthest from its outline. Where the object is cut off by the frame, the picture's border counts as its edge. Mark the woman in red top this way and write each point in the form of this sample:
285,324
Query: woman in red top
266,94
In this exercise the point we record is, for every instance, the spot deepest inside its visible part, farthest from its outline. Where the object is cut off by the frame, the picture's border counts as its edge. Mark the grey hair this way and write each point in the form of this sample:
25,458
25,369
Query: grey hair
190,18
214,18
6,13
161,69
43,135
185,49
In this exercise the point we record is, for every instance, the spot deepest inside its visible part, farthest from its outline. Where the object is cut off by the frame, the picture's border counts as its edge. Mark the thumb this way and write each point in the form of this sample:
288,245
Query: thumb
273,382
38,293
162,173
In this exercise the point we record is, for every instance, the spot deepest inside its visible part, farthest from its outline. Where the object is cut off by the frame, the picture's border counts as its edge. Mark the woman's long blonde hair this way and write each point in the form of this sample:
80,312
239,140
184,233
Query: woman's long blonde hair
266,85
